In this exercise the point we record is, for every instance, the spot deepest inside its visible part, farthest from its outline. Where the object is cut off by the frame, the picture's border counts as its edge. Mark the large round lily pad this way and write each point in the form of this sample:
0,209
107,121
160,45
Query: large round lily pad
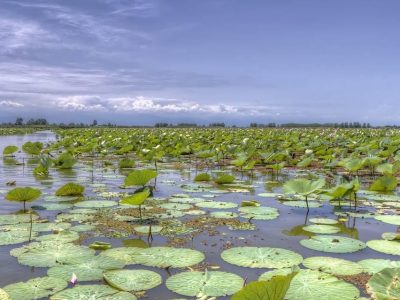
385,285
259,212
261,257
15,237
124,254
89,270
325,221
390,219
4,295
65,236
323,229
53,254
388,247
277,272
91,292
216,204
14,219
333,244
96,204
163,257
332,265
132,280
208,283
375,265
36,288
315,285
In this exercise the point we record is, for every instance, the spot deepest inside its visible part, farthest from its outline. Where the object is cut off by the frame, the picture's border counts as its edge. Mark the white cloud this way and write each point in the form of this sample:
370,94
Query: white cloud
141,104
10,104
19,34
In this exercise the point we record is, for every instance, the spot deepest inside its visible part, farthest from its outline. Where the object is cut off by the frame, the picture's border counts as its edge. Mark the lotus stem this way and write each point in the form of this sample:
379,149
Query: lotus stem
30,230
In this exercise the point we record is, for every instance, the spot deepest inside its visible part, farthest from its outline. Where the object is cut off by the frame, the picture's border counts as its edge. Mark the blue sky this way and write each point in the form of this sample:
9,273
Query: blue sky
236,61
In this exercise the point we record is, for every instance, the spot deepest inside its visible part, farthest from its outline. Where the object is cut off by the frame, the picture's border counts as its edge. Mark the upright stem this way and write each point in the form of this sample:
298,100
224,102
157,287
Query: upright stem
307,203
140,212
24,206
30,230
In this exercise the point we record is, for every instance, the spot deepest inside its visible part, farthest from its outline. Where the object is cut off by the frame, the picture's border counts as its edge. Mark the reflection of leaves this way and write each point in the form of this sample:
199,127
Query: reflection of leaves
297,231
137,243
274,289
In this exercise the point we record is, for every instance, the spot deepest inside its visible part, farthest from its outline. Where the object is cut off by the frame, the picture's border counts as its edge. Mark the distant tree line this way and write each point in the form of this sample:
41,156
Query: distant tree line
42,122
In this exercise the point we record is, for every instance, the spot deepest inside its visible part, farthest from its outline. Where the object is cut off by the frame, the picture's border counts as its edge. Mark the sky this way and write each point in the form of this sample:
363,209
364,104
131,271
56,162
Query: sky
138,62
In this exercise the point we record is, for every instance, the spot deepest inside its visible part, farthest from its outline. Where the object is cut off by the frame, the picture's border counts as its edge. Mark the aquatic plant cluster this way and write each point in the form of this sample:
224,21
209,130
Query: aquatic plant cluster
113,213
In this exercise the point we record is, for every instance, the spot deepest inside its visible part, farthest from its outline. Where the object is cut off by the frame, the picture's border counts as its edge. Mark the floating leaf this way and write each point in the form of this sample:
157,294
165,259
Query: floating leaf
261,257
388,247
324,229
36,288
163,257
87,292
376,265
333,244
132,280
89,270
314,285
325,221
393,219
334,266
208,283
385,285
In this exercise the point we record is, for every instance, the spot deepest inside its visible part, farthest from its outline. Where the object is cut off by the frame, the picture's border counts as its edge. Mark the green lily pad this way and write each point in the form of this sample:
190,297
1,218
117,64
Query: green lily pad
89,270
177,206
333,244
15,237
390,219
4,295
124,254
261,257
376,265
259,212
163,257
52,254
64,236
145,229
300,203
96,204
334,266
87,292
314,285
388,247
35,288
323,229
208,283
216,204
224,214
324,221
132,280
385,285
277,272
15,219
391,236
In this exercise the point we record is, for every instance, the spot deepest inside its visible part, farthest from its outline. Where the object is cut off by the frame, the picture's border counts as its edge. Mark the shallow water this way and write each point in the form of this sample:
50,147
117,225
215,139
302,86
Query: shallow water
268,233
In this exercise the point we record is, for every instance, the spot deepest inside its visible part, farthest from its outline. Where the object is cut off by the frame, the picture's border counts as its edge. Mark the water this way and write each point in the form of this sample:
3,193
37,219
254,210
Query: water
269,233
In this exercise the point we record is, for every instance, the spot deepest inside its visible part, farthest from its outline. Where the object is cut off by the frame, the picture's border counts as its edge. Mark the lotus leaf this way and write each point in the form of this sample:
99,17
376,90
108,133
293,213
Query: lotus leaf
324,229
334,266
140,177
333,244
89,270
376,265
261,257
385,285
36,288
70,189
132,280
388,247
315,285
208,283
